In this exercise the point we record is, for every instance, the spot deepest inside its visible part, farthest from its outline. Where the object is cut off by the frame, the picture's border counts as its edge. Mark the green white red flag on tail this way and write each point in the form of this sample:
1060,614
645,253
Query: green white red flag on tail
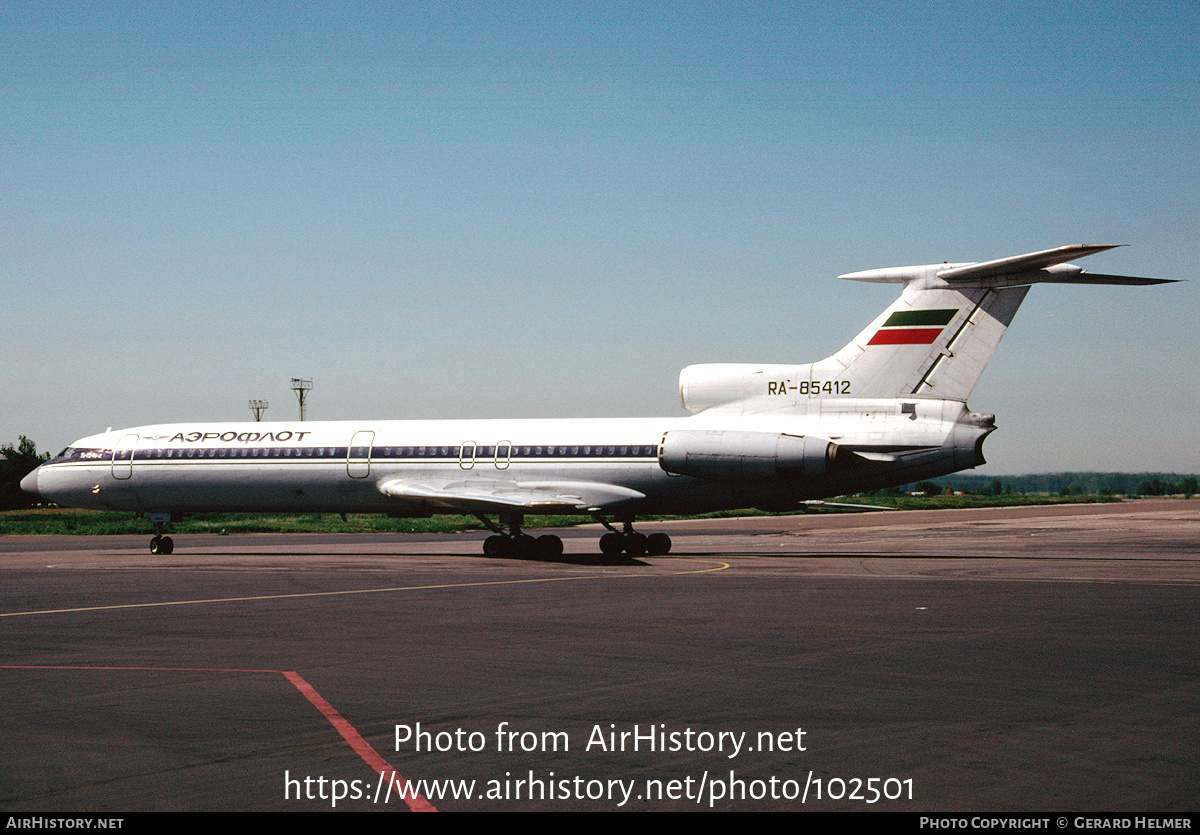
913,327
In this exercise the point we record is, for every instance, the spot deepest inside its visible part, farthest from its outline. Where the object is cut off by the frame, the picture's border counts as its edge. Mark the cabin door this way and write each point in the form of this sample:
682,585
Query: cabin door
122,457
358,456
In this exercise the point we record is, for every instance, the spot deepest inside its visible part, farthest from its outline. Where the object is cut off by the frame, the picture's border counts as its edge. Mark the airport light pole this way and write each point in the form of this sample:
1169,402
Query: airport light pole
258,407
302,388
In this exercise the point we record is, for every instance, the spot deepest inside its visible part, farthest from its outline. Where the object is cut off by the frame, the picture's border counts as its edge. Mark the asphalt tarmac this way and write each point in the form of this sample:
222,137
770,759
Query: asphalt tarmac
1009,660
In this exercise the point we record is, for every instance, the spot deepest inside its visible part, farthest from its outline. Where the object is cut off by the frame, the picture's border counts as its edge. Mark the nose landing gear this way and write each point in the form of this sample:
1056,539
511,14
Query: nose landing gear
161,545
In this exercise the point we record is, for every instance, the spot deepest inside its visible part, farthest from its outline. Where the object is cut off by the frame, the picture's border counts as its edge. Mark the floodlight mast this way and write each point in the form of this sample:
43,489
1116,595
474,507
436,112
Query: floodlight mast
258,407
302,388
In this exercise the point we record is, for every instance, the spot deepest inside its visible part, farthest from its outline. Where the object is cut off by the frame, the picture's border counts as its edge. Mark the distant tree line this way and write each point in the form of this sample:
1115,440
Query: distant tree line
16,463
1071,484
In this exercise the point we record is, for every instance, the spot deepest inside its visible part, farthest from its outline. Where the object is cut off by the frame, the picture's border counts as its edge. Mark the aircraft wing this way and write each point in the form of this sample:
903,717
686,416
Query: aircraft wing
491,495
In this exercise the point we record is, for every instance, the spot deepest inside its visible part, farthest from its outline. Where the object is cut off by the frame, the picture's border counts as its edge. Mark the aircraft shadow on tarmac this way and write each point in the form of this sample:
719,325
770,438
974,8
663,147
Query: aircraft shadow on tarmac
564,559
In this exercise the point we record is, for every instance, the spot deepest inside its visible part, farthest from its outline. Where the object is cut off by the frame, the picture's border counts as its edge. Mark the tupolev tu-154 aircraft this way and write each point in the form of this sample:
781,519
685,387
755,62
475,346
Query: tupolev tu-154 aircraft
888,409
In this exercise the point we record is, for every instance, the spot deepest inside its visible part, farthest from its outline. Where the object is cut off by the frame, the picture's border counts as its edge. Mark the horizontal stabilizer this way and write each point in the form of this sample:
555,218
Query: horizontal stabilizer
1021,263
1085,277
1048,265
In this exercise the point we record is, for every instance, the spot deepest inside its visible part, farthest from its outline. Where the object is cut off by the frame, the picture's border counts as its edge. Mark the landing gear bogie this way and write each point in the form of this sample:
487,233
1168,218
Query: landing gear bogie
513,544
631,543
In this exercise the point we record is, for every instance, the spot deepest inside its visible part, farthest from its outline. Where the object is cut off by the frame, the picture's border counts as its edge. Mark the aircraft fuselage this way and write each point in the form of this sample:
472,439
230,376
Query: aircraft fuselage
339,466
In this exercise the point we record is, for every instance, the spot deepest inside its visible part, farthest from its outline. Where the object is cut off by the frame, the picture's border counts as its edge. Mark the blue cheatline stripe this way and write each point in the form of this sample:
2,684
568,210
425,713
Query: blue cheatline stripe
379,453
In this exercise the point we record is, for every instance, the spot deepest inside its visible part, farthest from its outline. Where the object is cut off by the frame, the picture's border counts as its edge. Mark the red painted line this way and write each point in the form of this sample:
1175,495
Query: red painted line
905,336
414,800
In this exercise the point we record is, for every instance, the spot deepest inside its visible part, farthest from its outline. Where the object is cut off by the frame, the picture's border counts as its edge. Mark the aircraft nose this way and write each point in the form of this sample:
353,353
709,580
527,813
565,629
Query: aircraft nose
29,482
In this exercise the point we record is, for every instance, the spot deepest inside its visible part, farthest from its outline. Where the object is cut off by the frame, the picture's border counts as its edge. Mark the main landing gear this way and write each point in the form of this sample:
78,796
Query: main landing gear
513,544
631,543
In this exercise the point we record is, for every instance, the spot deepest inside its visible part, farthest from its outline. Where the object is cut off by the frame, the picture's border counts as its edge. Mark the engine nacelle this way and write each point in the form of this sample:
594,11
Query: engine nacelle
732,455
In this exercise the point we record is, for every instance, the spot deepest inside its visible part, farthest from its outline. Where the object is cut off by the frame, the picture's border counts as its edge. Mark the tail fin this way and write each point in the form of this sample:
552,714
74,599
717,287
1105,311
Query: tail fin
934,341
930,342
937,338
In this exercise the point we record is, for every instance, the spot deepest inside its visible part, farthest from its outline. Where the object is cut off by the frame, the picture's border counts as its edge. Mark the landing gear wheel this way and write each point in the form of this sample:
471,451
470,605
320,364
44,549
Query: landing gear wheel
658,544
634,545
612,544
517,547
162,545
549,546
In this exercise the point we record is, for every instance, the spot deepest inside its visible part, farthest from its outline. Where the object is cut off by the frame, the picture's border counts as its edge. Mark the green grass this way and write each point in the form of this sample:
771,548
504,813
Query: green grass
94,523
59,521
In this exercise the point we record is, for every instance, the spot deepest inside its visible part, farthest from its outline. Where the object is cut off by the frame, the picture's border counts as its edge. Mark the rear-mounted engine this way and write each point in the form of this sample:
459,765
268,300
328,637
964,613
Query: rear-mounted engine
729,455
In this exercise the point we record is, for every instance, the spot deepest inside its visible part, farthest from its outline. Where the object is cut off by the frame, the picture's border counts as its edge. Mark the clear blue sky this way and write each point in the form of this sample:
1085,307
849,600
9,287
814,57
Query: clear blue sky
467,210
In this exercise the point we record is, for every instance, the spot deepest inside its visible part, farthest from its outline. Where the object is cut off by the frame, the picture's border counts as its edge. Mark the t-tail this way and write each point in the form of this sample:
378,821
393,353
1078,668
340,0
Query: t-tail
932,342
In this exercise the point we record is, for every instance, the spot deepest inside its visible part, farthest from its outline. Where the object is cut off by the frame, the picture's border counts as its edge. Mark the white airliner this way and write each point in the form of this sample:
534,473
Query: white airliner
888,409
